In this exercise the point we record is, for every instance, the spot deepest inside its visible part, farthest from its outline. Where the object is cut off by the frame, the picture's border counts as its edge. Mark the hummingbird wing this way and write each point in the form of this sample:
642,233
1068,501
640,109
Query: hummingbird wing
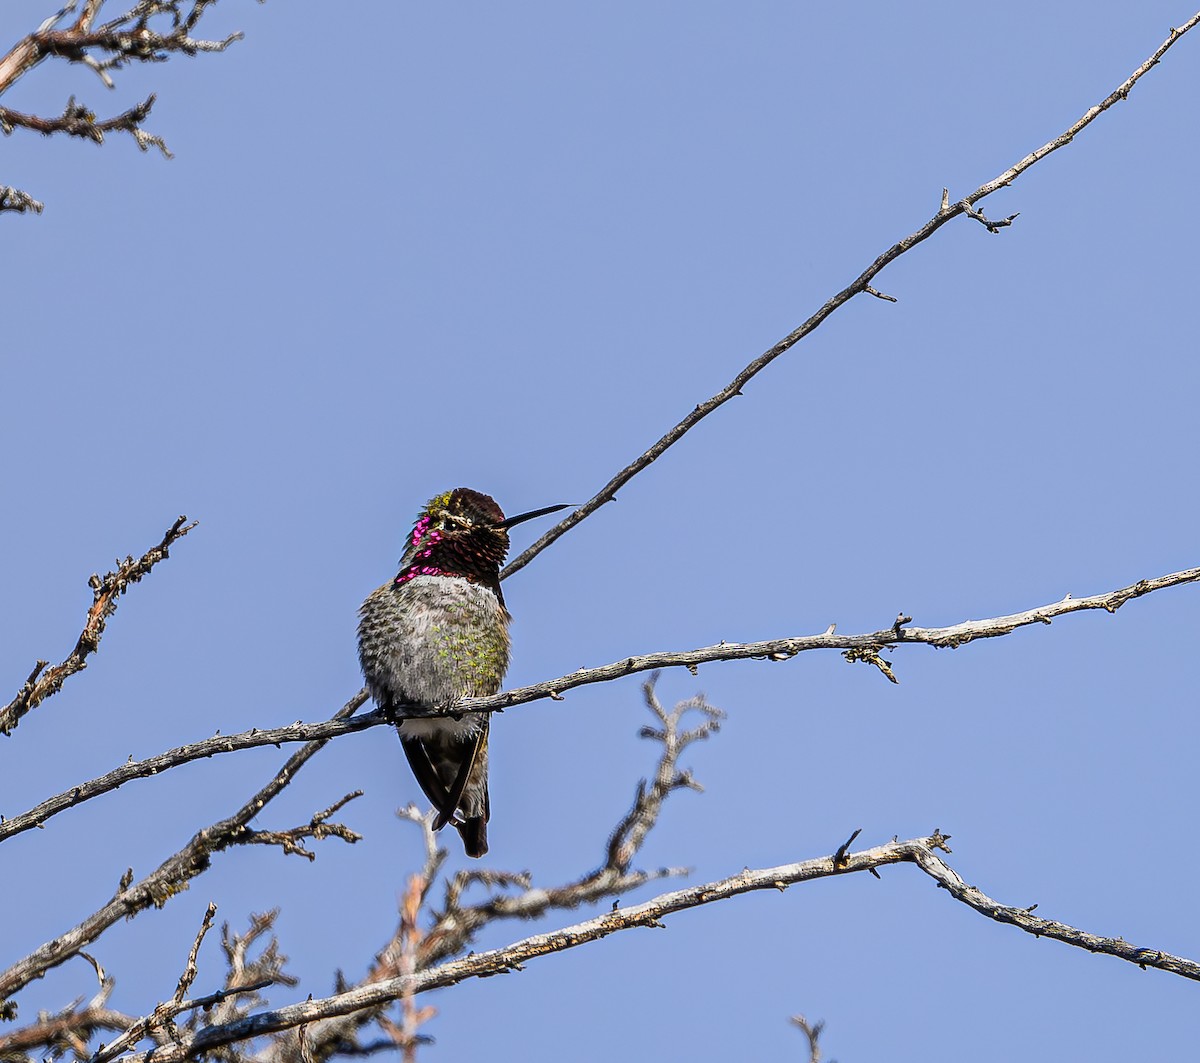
455,793
445,799
429,779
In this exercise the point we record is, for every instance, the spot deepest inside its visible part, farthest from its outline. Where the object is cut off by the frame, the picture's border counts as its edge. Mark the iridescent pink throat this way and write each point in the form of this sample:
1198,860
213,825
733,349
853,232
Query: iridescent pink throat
416,568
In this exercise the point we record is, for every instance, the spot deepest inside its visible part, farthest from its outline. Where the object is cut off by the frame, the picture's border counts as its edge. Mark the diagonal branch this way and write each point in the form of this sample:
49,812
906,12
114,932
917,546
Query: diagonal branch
864,647
341,723
457,924
105,592
862,284
918,851
171,877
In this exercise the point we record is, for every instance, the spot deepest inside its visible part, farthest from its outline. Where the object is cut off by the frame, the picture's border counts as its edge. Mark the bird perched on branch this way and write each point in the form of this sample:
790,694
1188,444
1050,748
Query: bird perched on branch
438,633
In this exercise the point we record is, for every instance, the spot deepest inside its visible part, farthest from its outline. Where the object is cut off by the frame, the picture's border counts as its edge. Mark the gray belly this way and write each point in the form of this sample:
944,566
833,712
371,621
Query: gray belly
432,641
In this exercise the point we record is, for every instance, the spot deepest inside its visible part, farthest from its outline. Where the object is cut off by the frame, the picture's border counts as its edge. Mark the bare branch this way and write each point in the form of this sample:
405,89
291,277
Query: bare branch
19,202
170,878
67,1031
919,851
862,284
131,37
163,1015
340,724
318,828
73,1028
105,593
783,649
149,32
457,924
79,121
812,1031
857,647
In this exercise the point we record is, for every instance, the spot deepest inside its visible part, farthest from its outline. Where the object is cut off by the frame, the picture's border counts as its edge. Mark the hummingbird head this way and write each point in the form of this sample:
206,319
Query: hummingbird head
461,533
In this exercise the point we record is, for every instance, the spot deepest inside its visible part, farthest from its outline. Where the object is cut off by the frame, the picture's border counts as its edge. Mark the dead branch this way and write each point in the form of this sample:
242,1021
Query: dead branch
80,121
861,285
918,851
160,1023
812,1033
105,592
151,31
856,647
170,878
71,1029
318,828
66,1031
13,199
138,35
456,925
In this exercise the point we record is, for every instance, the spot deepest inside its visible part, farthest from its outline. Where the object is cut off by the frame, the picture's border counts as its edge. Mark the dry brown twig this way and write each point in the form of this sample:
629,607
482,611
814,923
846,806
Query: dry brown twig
44,682
150,31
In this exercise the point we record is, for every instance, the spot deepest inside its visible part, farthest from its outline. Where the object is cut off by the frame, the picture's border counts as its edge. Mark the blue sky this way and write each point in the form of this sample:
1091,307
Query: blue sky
403,248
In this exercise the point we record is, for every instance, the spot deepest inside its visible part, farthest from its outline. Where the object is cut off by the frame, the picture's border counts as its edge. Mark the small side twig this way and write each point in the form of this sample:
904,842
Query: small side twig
317,828
812,1031
162,1017
18,202
986,222
870,655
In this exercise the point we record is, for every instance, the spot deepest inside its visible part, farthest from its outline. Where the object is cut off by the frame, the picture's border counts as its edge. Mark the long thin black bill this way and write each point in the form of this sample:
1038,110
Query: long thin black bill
508,522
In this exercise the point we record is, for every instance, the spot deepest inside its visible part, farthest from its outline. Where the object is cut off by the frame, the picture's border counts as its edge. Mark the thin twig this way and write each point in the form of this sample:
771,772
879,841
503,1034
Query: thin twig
79,121
812,1031
105,593
862,284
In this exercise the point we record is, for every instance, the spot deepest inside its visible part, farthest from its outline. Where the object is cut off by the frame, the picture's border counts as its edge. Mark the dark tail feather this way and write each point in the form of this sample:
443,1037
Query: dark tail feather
474,836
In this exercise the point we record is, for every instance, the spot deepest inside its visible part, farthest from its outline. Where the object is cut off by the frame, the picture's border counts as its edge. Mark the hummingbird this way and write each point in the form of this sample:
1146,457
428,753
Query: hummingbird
437,633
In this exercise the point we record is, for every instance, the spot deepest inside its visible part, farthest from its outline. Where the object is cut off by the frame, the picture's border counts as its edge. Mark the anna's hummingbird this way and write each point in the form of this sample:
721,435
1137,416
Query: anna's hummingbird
437,633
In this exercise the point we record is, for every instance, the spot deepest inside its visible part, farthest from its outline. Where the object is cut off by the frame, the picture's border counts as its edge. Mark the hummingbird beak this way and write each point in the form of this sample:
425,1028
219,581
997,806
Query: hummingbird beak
509,522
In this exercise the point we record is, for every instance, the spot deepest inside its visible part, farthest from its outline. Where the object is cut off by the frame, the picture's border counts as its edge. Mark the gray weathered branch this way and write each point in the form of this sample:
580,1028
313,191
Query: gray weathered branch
861,285
172,876
919,851
864,647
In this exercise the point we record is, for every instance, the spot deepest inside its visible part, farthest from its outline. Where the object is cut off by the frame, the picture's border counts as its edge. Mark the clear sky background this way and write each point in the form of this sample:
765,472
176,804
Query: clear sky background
408,247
